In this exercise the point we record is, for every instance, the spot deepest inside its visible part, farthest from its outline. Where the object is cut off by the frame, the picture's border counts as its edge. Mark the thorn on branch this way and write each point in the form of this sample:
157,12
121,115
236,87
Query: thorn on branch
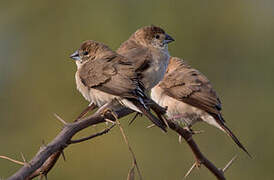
190,170
150,126
60,119
12,160
229,163
180,139
196,164
24,160
63,155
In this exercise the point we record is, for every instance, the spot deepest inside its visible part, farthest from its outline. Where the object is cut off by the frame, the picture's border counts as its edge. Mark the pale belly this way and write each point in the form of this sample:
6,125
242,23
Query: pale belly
180,111
100,98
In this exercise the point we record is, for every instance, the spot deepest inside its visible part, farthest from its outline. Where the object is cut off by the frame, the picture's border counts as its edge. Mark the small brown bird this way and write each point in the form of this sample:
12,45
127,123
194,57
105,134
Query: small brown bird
147,48
103,75
190,97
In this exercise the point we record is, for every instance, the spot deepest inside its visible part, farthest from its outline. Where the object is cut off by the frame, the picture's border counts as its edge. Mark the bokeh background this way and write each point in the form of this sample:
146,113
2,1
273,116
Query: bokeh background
230,41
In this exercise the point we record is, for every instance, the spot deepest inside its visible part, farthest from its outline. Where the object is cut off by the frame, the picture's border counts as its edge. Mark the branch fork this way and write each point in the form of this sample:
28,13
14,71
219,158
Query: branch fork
48,155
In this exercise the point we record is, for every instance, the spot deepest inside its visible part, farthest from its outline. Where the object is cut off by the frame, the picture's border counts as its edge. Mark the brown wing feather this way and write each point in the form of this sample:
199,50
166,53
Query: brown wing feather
137,54
112,75
190,86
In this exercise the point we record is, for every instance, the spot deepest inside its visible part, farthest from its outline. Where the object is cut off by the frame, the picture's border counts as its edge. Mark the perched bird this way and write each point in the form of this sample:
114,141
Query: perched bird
147,49
103,75
190,98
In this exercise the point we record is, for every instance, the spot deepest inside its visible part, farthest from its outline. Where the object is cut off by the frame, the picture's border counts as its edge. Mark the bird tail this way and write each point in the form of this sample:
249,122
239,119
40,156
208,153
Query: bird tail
158,122
159,111
234,138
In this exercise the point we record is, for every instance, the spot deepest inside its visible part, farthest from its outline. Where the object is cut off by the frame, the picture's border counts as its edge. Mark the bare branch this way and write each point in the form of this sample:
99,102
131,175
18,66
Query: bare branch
187,135
92,136
48,155
61,140
46,167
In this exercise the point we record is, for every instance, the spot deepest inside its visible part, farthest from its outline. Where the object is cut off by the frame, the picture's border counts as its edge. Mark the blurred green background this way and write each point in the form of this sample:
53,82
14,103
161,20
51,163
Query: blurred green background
230,41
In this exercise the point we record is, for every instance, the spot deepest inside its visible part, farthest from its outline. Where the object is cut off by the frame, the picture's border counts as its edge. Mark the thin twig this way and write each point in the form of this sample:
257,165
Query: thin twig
91,136
12,160
129,148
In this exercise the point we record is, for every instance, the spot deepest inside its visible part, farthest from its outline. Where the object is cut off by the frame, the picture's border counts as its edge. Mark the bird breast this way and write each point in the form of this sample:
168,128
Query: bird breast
81,87
157,69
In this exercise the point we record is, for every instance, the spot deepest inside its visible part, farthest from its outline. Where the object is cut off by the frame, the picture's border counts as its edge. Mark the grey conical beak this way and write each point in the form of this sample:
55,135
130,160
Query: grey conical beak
168,39
75,56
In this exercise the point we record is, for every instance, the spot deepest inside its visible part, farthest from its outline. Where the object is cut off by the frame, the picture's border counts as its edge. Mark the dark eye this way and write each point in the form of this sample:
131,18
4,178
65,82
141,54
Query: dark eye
157,36
85,53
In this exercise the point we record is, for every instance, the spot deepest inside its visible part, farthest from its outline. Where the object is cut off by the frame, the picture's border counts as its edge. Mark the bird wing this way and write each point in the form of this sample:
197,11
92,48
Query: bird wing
140,56
190,86
113,75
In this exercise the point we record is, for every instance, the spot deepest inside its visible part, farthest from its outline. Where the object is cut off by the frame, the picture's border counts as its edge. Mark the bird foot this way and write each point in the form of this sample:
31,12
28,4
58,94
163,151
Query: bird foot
107,111
193,132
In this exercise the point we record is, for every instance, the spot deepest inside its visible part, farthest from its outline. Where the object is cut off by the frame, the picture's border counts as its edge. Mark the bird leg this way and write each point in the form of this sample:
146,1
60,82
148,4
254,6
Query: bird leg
193,132
175,117
90,107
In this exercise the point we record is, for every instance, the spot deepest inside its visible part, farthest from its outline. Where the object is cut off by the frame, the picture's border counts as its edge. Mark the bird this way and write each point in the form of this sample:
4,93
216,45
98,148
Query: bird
147,49
190,98
103,76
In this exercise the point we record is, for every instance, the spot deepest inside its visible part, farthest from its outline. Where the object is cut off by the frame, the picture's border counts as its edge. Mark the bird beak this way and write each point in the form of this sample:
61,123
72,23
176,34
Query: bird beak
75,56
168,39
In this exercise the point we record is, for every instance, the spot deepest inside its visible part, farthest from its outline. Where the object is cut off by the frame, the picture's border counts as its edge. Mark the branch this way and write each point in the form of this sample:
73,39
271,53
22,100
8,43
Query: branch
61,141
49,154
200,158
46,167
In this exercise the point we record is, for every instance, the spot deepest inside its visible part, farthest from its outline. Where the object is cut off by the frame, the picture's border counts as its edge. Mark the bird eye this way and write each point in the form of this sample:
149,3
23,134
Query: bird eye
157,36
85,53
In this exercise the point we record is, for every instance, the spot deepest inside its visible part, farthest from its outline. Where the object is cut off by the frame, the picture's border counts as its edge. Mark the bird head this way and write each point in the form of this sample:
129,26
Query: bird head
152,36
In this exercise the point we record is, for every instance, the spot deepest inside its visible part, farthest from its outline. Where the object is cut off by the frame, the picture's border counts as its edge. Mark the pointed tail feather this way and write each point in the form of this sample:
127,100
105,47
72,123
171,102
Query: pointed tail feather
160,111
234,138
158,122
